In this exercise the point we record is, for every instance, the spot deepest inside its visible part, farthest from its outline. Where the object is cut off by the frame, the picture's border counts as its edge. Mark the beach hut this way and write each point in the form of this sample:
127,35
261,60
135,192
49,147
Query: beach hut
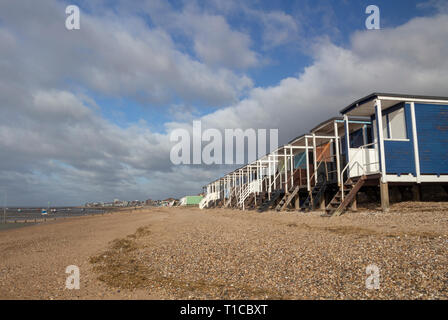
190,201
408,144
379,141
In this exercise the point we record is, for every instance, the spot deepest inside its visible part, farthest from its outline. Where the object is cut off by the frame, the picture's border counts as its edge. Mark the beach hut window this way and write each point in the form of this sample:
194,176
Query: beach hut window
385,127
394,126
397,124
375,133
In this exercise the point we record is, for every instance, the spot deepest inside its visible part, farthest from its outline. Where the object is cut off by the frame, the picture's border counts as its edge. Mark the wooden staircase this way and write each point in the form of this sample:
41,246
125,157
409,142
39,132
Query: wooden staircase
321,182
337,206
268,204
315,196
256,200
299,177
228,201
286,200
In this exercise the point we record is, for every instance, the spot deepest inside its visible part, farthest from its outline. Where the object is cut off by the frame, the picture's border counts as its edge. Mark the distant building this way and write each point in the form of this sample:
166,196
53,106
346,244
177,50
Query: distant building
190,201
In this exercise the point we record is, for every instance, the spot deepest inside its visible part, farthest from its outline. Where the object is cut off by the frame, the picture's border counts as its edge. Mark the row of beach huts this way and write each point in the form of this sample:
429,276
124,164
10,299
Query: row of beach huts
379,143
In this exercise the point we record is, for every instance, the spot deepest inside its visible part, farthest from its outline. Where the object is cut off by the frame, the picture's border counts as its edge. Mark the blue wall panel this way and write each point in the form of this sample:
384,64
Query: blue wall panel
399,157
432,132
400,154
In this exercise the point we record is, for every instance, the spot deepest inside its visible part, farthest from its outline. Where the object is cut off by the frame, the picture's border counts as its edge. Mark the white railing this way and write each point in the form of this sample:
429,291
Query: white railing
229,199
342,175
248,189
367,157
243,195
233,193
274,180
208,197
364,166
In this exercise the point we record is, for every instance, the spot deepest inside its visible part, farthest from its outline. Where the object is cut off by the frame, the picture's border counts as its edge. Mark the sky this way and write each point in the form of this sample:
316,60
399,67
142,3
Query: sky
86,115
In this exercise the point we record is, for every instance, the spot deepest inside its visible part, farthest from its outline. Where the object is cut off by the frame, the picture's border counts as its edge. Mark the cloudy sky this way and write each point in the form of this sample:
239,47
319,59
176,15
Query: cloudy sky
86,115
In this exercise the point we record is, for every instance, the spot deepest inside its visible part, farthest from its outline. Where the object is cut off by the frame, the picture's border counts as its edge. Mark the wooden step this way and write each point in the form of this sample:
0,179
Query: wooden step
267,204
336,207
283,204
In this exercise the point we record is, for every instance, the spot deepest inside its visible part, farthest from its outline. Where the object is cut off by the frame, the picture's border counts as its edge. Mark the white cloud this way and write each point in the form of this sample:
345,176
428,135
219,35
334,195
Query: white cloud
215,42
440,5
279,28
406,59
112,55
56,144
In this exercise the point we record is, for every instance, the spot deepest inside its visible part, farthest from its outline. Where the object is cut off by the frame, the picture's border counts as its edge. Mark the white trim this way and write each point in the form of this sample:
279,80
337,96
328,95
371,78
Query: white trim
402,140
379,123
286,173
415,140
319,137
276,166
434,178
401,178
292,167
300,147
278,155
411,178
364,134
338,165
269,173
412,100
308,185
347,136
315,159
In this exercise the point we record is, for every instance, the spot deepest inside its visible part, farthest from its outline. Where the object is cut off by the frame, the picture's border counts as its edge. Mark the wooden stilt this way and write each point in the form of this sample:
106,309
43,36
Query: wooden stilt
297,202
322,202
384,191
446,189
354,205
416,193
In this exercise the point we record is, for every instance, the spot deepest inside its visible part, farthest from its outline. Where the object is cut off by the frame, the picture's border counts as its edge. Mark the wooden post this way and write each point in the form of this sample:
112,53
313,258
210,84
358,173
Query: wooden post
322,202
445,188
354,205
416,192
384,191
297,202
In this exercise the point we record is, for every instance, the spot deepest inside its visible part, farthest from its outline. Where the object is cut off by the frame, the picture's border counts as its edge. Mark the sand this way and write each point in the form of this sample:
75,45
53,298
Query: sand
187,253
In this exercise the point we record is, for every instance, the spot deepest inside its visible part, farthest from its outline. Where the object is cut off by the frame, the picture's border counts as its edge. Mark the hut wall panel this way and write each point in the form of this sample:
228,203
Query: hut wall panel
432,131
400,154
